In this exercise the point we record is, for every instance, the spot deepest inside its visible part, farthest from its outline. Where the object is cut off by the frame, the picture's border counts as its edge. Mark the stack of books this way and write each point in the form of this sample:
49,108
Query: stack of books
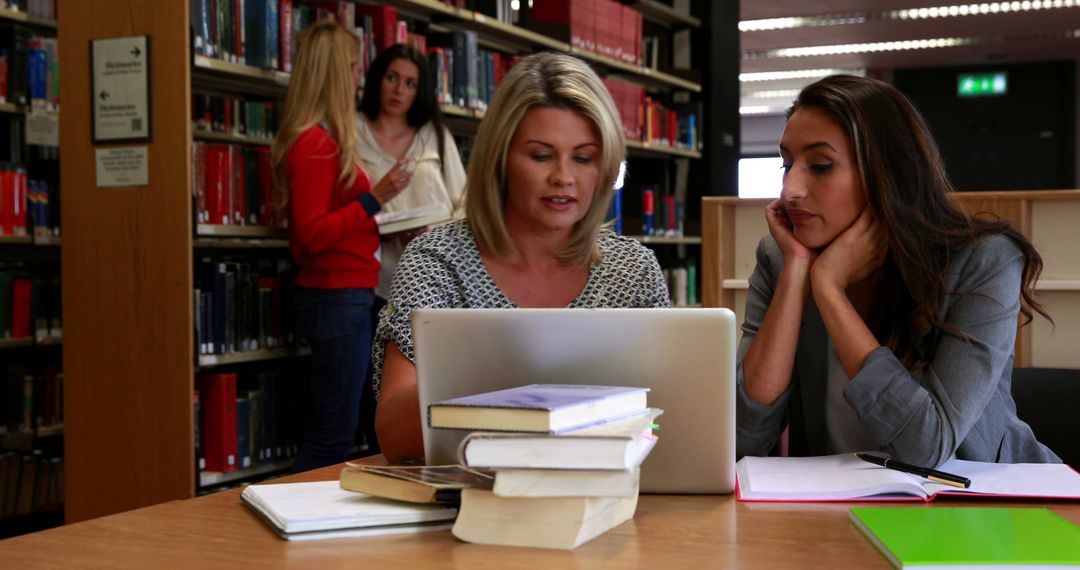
565,461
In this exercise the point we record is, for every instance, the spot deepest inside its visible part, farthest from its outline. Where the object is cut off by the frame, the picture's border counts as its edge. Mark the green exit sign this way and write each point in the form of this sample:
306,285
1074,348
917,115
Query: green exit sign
982,84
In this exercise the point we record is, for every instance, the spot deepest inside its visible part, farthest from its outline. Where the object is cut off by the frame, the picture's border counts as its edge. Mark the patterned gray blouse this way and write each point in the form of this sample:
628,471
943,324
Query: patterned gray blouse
443,269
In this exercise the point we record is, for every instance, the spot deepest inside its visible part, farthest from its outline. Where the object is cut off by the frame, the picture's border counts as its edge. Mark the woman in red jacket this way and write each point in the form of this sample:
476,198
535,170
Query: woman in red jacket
332,233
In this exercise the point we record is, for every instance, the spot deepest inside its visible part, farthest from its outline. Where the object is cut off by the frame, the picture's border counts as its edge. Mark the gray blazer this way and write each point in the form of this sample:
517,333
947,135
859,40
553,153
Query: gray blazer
960,403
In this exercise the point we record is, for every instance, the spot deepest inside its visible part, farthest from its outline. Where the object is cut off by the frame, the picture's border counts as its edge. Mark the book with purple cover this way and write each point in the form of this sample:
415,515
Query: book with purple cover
540,408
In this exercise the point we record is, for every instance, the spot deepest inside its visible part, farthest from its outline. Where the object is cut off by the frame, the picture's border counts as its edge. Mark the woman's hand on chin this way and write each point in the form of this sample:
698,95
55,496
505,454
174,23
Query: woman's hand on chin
782,230
853,256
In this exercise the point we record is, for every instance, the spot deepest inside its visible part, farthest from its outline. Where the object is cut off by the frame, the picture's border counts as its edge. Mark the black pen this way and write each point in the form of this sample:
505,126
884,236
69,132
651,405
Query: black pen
931,474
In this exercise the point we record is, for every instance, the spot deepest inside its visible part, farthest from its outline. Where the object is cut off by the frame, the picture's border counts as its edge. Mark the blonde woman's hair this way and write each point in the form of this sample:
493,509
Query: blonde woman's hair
541,80
321,90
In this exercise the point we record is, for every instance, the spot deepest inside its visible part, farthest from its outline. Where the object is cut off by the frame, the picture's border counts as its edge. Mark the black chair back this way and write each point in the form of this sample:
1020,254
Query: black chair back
1048,399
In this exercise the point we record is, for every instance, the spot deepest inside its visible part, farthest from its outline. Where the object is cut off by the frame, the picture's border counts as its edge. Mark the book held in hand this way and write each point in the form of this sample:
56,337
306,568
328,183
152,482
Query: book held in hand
845,477
616,445
413,484
553,522
540,408
412,218
318,510
954,537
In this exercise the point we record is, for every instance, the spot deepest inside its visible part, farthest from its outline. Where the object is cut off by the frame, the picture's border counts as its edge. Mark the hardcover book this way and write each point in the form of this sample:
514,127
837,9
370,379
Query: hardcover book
542,408
954,537
845,477
413,484
619,445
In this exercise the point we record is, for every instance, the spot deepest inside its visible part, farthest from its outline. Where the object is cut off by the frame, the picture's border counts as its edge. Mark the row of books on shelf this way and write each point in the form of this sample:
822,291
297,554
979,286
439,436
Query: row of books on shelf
465,74
27,207
262,33
242,420
29,68
234,185
605,27
548,466
682,284
662,214
29,306
30,482
236,116
33,399
647,120
242,305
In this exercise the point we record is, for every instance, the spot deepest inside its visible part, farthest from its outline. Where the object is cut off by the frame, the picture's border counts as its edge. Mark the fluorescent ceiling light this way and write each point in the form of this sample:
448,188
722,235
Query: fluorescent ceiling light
902,45
927,13
797,74
754,109
773,94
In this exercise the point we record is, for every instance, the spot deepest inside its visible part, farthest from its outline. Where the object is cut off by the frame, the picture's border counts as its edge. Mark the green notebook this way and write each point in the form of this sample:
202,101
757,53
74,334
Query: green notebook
950,538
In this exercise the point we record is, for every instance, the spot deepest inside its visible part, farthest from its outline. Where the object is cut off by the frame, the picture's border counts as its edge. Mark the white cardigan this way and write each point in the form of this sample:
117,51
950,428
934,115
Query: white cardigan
430,184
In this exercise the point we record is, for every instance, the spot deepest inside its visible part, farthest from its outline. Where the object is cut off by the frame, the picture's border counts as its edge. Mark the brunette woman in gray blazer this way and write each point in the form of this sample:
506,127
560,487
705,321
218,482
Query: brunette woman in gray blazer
880,316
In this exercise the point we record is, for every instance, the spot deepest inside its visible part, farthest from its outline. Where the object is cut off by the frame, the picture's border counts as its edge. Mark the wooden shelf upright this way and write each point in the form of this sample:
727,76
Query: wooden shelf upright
128,342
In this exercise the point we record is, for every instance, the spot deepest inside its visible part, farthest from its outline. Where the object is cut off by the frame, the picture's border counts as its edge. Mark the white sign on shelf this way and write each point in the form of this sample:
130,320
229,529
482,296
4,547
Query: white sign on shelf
43,128
122,166
121,89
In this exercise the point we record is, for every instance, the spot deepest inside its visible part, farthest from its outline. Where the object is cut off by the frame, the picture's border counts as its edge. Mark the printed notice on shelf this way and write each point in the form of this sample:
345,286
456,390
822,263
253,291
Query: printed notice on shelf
121,166
43,129
121,89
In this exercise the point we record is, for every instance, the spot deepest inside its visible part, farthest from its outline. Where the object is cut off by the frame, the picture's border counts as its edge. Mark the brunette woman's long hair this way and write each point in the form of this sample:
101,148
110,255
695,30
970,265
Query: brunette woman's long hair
909,193
425,107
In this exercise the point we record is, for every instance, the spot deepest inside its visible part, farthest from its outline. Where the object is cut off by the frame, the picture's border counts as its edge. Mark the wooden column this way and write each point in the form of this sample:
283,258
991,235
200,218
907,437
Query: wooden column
127,283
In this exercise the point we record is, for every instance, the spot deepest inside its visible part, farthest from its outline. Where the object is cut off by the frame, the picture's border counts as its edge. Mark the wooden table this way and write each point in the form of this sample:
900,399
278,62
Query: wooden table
668,531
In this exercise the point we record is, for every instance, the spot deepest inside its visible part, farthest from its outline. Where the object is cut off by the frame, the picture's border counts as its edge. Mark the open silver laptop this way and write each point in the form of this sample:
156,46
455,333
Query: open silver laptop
686,356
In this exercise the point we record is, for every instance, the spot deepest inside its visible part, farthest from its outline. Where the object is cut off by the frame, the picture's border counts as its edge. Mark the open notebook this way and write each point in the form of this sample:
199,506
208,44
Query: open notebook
318,510
847,478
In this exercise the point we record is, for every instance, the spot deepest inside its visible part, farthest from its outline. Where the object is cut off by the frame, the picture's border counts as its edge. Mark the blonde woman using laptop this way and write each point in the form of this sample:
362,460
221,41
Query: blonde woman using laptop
538,187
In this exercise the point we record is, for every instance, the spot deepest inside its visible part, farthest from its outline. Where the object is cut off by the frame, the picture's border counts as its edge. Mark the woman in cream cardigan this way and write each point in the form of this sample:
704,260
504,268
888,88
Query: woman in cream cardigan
400,122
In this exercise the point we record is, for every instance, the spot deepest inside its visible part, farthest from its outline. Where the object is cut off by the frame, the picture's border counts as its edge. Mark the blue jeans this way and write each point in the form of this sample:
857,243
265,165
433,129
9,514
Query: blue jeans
337,325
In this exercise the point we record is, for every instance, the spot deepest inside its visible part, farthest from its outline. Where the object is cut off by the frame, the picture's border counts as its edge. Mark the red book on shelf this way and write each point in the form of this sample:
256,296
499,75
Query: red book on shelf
7,202
237,196
384,23
267,215
217,399
21,320
215,184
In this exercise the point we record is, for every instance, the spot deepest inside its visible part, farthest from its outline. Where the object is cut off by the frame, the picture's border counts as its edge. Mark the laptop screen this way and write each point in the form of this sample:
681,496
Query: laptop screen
685,356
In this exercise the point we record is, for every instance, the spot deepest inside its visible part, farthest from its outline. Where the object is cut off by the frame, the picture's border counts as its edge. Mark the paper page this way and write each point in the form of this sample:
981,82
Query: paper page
841,476
1017,479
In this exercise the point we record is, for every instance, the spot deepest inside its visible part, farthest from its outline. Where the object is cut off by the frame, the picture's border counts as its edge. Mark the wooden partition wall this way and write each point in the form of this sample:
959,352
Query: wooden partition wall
732,227
126,270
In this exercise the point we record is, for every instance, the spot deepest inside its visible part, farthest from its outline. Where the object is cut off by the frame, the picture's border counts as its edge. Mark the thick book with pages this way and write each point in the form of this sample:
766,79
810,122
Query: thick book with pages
845,477
945,538
541,408
550,522
318,510
617,445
